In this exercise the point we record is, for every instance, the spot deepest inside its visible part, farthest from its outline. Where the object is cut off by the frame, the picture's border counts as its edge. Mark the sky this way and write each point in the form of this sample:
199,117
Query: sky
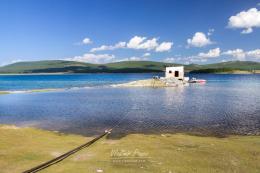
103,31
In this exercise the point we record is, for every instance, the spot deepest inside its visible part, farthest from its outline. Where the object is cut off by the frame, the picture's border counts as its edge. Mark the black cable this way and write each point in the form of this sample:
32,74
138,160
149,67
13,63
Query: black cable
65,155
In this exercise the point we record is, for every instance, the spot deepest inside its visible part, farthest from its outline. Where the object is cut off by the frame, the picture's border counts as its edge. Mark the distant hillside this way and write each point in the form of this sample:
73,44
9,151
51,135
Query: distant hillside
60,66
228,67
138,66
239,65
51,66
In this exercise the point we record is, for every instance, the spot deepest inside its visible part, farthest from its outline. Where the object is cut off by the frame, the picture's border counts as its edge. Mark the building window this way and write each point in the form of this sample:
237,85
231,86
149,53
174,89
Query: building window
176,74
170,71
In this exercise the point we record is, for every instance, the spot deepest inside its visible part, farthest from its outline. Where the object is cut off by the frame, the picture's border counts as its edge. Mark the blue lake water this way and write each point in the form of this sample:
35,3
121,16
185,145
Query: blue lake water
226,104
29,82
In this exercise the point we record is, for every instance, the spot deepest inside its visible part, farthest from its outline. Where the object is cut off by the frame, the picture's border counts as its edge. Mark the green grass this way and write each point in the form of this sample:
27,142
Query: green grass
59,66
24,148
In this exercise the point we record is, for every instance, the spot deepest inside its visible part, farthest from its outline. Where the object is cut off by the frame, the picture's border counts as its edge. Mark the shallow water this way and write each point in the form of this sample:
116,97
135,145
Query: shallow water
226,104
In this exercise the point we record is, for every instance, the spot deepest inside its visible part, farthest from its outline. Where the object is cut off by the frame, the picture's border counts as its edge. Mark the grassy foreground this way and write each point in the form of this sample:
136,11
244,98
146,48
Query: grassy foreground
23,148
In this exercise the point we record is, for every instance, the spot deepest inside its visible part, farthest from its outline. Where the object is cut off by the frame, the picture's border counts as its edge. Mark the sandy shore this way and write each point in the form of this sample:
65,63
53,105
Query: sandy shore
4,92
30,91
152,83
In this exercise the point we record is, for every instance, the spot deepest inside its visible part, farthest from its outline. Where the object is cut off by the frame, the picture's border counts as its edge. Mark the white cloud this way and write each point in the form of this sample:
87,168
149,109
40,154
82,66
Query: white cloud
148,44
245,20
146,54
185,59
141,43
196,60
236,53
135,42
254,53
192,59
170,59
247,31
109,47
93,58
11,62
223,60
164,46
199,40
133,58
202,57
138,42
210,32
212,53
86,41
16,60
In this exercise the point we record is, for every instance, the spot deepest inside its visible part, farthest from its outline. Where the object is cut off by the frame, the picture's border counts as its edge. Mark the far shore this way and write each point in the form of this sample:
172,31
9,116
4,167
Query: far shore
3,74
225,72
240,72
62,73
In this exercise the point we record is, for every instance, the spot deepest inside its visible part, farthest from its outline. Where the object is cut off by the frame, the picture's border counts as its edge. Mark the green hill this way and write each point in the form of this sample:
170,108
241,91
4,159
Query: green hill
240,65
228,67
56,66
60,66
51,66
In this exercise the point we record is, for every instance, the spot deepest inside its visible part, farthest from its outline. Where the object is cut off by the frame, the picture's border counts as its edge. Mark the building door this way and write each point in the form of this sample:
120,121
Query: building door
176,74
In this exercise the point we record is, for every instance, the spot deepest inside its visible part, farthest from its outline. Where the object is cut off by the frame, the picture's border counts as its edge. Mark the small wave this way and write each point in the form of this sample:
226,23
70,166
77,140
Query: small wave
17,92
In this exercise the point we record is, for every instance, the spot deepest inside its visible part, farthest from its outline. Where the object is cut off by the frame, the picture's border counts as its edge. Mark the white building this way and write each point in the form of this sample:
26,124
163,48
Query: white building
175,72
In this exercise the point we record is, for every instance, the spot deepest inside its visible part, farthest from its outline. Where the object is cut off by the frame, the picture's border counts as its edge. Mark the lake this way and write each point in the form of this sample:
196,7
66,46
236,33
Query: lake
226,104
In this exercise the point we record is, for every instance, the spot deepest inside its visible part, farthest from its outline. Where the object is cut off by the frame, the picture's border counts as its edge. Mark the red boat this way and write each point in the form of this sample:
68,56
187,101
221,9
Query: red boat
194,80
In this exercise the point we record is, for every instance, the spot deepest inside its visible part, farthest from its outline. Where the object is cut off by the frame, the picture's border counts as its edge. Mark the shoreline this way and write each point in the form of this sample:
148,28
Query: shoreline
121,133
187,72
225,72
10,74
41,145
141,83
31,91
3,74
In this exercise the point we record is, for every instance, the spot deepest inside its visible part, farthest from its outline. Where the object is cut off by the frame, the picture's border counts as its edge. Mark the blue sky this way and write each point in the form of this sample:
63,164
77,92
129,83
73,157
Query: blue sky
183,31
